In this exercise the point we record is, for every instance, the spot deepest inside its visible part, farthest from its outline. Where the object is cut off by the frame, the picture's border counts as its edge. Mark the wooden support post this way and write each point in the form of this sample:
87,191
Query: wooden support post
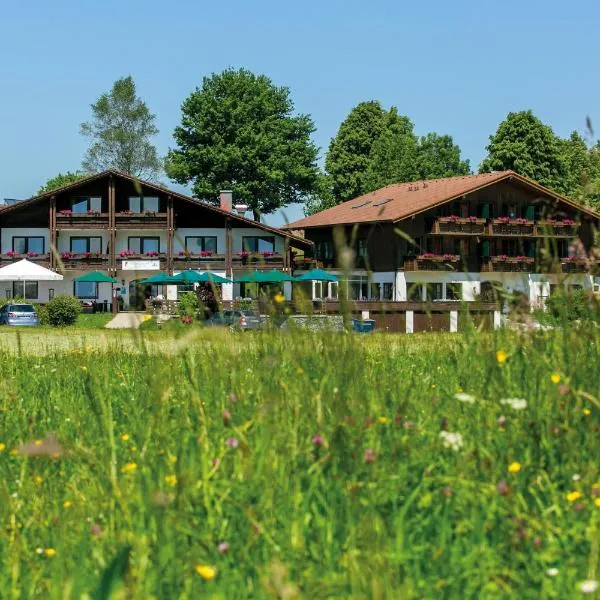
228,249
112,261
52,225
170,233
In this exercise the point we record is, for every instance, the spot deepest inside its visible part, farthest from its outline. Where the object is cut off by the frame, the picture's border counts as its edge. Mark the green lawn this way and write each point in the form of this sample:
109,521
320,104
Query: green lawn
299,466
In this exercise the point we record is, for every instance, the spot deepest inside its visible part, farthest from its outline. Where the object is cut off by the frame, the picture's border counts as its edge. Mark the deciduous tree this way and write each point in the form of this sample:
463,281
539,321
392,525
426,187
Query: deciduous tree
121,131
60,180
238,132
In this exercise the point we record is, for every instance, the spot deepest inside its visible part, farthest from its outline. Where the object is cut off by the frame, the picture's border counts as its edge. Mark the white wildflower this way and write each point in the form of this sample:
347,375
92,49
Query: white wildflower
465,397
576,477
552,572
453,440
589,586
515,403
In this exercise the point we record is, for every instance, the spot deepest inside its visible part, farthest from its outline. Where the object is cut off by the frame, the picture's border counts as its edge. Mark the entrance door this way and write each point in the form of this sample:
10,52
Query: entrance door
139,293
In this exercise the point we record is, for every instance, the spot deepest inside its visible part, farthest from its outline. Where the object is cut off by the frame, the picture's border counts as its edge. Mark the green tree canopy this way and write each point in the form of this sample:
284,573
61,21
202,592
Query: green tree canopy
440,157
238,132
60,180
349,154
526,145
121,129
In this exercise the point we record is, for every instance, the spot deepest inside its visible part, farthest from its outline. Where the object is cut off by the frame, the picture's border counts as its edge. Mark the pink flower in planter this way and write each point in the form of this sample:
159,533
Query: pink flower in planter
32,254
568,222
126,253
473,219
427,255
93,211
501,257
521,221
65,212
67,255
267,253
522,258
453,218
151,253
205,253
12,253
503,220
243,254
449,257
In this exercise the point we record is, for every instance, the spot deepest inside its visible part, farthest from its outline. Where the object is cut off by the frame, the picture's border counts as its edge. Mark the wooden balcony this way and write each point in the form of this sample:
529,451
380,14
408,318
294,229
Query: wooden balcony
458,226
213,262
504,264
82,221
40,259
433,262
148,220
561,229
511,227
577,265
258,261
82,262
306,264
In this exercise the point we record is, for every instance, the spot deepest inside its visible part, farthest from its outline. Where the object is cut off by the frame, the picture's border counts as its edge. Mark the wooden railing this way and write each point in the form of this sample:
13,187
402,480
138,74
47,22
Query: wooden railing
258,261
433,262
40,259
214,262
507,264
83,263
82,221
148,220
459,225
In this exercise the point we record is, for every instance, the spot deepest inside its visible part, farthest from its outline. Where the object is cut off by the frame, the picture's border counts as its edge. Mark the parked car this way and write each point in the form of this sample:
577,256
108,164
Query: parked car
236,319
19,315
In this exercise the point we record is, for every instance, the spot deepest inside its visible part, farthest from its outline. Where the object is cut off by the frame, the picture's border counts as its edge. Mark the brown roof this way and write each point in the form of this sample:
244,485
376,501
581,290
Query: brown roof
401,200
161,189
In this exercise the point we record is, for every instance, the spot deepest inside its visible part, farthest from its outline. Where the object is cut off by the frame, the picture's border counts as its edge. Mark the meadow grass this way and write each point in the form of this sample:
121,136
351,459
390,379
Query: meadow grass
275,465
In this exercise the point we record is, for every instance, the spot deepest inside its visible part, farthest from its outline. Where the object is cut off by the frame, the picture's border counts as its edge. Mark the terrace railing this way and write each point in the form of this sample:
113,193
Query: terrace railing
146,220
91,220
433,262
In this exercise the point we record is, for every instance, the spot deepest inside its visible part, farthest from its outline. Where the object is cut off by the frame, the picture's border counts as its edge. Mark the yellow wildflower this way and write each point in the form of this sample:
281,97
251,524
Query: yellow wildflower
38,479
573,496
67,504
279,298
383,420
597,502
514,467
14,452
2,447
38,442
587,412
125,437
50,552
84,369
171,480
501,357
207,572
555,378
129,468
172,458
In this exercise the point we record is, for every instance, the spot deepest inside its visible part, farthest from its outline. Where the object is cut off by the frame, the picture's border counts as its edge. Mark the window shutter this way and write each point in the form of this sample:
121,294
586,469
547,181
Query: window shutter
485,249
485,211
530,213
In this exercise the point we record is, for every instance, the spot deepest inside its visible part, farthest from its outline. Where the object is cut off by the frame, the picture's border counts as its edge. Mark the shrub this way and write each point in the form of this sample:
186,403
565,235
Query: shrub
63,310
574,305
43,316
189,305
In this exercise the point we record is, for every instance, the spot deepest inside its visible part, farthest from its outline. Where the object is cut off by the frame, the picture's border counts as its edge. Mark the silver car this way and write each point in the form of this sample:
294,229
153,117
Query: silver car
19,315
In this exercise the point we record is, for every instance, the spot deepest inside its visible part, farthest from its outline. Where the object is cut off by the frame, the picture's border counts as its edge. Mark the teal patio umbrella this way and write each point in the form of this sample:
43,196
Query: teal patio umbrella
190,277
272,276
96,277
317,275
158,279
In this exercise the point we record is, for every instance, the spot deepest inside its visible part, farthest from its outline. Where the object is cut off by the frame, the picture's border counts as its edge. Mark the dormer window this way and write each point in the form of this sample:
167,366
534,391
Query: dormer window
142,204
85,204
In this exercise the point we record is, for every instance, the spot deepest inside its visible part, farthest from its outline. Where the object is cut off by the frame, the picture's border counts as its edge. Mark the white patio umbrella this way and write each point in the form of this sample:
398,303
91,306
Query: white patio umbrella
25,270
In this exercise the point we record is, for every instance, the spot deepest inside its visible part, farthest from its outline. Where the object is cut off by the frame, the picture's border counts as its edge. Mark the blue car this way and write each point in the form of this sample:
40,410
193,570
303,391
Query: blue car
19,315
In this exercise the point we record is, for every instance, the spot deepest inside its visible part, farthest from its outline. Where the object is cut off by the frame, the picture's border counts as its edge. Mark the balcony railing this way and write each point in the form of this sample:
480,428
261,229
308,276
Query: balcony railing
265,260
306,263
92,220
433,262
506,226
146,220
199,262
565,228
577,265
83,262
459,225
504,263
10,257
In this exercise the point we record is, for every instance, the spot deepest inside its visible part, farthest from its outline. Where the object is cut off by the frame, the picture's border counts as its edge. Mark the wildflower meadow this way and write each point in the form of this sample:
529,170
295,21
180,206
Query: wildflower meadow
295,465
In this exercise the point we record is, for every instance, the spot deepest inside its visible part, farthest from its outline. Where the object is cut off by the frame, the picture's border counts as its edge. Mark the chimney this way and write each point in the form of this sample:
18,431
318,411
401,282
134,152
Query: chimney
226,200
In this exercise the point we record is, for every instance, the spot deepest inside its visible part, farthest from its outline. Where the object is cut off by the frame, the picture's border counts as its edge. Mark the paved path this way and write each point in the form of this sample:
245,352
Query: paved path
126,320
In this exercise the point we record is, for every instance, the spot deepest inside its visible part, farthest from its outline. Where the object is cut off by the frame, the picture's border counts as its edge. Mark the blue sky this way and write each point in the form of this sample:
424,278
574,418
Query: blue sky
453,67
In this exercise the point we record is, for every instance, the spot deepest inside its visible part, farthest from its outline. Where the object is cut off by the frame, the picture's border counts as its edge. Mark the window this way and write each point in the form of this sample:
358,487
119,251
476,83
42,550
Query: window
453,291
83,204
414,293
25,289
197,244
258,243
333,290
323,250
141,204
358,289
85,289
142,245
25,244
81,245
388,291
361,248
435,291
375,291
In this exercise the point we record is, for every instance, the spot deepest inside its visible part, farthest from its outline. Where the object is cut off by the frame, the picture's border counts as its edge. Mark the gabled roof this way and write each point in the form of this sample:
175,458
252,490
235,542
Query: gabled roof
402,200
157,188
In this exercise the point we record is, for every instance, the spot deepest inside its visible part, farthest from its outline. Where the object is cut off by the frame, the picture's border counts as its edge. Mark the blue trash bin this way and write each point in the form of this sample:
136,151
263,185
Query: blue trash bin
366,326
